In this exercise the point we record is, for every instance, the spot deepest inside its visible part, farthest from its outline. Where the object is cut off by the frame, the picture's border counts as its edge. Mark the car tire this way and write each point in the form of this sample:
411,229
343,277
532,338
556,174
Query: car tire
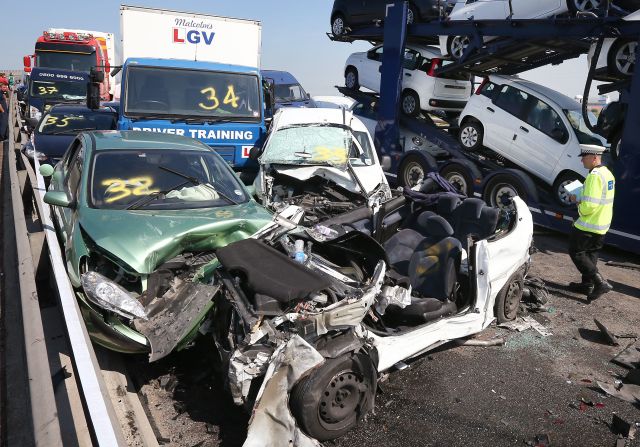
458,175
410,102
508,298
500,188
338,25
333,398
456,45
576,6
413,170
351,78
561,196
471,135
412,15
620,57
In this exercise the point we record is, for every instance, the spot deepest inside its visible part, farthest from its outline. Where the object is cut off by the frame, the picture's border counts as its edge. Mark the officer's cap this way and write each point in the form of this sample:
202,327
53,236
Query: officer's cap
591,150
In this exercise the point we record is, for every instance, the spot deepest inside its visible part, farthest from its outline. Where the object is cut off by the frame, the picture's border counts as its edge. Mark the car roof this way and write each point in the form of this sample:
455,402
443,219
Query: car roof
104,140
541,91
280,77
288,116
426,50
79,108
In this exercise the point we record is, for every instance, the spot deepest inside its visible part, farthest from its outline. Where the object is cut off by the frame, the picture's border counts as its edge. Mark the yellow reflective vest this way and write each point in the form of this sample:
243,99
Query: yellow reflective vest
596,203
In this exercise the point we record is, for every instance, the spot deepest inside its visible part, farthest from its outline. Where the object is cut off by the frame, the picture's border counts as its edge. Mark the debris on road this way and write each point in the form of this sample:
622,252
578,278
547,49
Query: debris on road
621,427
524,323
472,342
626,392
606,334
629,357
539,441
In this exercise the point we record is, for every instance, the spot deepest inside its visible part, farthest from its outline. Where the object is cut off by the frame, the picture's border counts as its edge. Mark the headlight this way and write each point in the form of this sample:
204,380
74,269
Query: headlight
109,295
34,113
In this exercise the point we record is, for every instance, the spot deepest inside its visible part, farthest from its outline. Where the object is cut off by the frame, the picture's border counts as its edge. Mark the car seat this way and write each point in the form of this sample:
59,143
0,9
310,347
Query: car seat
431,264
473,217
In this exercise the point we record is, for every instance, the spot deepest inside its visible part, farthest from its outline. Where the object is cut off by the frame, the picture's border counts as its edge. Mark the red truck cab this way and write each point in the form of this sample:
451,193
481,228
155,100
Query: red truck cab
71,51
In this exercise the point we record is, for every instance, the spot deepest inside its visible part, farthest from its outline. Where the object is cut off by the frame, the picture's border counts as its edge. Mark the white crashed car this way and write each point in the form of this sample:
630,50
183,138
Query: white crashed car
454,46
304,340
322,160
617,57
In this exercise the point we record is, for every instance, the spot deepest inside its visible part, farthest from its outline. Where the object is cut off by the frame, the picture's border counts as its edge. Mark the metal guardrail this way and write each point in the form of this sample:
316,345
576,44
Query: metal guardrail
31,223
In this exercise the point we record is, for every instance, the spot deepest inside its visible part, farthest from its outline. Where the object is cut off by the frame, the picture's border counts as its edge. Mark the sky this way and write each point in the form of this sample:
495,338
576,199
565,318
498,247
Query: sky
293,36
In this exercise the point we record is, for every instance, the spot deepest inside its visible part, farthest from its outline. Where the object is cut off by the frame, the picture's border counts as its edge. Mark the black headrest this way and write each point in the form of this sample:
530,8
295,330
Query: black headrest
447,203
421,221
470,208
437,227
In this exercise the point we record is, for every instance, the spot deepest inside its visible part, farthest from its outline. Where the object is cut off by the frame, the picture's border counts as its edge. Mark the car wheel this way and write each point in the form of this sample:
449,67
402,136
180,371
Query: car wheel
501,189
413,170
338,25
412,15
508,298
471,135
559,194
333,398
351,79
622,57
410,103
576,6
456,45
459,177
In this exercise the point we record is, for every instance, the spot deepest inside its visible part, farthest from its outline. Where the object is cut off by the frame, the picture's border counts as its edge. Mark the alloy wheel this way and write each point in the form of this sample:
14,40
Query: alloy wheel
338,26
626,58
458,45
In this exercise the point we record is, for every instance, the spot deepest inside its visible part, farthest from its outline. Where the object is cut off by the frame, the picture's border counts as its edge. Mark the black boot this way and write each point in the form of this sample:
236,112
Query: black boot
601,286
585,287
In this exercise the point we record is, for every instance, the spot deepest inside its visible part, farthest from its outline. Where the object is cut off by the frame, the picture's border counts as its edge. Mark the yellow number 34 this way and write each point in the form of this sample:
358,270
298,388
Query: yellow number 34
210,92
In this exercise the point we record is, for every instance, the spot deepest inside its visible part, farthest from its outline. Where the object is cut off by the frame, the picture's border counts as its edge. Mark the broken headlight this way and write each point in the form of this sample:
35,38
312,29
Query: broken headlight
110,296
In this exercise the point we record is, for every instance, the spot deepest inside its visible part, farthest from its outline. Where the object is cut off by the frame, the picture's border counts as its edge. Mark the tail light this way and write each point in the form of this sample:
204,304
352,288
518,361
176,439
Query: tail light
481,86
435,64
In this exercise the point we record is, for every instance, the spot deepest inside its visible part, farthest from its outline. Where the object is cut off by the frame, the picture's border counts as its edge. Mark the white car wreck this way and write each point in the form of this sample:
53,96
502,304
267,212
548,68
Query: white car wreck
304,340
322,160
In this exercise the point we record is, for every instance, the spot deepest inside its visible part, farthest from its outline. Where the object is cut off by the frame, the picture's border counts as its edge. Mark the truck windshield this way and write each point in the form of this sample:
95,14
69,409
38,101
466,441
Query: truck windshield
66,61
584,134
192,93
59,90
163,179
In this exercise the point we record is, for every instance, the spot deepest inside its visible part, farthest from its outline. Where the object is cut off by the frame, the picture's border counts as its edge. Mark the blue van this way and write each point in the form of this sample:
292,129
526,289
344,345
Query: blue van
288,91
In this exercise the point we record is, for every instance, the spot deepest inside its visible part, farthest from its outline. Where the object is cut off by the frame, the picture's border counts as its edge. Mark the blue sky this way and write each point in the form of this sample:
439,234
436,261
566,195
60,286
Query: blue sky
293,36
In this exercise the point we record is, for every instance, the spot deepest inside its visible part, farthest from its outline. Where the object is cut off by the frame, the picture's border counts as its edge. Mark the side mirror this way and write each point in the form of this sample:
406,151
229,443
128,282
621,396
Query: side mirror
96,76
32,123
254,153
46,170
385,163
57,198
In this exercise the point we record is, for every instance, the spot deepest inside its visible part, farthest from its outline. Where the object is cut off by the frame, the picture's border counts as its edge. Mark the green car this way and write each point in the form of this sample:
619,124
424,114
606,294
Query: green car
140,216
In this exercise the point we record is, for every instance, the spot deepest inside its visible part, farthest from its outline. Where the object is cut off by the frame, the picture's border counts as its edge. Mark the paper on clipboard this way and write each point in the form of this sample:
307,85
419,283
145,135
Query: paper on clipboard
575,187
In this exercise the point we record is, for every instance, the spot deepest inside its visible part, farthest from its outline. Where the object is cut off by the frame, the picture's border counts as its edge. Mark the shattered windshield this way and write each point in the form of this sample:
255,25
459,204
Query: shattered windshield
162,179
318,144
584,134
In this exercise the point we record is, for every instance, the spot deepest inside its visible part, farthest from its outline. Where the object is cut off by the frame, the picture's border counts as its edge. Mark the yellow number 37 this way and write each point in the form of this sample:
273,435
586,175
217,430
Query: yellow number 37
214,102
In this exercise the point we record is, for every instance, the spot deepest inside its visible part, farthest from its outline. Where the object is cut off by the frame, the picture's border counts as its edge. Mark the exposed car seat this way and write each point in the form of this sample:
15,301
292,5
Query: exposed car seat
431,264
473,217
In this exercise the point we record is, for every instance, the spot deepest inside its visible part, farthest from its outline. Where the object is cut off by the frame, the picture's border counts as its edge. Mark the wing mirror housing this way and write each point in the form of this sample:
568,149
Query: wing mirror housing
58,198
46,170
385,163
254,153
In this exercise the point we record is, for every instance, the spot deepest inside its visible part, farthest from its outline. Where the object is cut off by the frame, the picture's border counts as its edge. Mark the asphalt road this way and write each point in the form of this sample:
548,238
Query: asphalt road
454,396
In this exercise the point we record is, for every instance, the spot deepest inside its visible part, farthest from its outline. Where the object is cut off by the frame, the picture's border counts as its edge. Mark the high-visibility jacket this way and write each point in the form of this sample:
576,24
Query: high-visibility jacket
596,203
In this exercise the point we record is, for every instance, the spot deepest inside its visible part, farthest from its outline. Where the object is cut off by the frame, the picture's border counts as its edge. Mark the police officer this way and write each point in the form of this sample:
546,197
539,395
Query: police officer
595,207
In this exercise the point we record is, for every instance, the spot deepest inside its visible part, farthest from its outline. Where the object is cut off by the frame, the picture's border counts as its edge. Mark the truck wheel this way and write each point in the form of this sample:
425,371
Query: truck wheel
576,6
458,176
338,25
471,135
502,188
351,78
333,398
413,170
559,194
508,298
456,46
410,103
622,58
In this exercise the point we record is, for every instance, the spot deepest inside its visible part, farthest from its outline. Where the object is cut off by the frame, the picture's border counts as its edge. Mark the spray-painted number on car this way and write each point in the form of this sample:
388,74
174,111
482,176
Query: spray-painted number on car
53,120
331,154
210,94
120,188
48,90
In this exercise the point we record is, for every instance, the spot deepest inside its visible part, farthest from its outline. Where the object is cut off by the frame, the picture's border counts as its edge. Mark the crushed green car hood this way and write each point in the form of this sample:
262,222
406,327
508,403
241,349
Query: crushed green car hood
142,239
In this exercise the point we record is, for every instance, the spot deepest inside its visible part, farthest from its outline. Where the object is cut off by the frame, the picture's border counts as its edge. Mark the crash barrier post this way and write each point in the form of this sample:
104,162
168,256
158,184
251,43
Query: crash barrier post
28,187
42,403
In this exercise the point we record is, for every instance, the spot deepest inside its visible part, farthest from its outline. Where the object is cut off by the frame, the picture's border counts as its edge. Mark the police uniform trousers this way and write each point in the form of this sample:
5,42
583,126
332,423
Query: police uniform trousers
583,249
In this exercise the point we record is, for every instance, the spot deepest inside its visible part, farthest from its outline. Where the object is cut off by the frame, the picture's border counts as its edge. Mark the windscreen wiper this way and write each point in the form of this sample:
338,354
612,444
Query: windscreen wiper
142,201
66,131
196,182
